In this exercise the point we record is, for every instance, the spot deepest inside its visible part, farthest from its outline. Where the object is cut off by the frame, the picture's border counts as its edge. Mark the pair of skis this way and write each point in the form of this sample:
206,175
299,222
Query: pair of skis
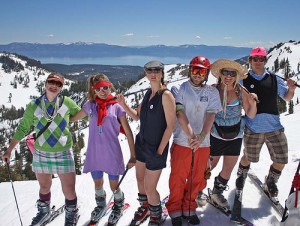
237,205
108,211
237,219
163,218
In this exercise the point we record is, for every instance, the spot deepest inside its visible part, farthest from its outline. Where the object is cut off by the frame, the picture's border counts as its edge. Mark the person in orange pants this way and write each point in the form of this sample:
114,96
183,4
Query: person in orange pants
196,106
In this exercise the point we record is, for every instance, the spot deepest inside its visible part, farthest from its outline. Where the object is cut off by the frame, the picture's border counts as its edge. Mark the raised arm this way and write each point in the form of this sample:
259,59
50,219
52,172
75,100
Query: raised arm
249,103
134,114
291,89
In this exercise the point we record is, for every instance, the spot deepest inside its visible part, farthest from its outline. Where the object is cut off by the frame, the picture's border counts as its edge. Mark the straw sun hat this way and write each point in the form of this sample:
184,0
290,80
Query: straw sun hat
218,65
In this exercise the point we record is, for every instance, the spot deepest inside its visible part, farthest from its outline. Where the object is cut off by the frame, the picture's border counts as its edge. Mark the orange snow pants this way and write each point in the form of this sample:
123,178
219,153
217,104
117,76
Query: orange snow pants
182,197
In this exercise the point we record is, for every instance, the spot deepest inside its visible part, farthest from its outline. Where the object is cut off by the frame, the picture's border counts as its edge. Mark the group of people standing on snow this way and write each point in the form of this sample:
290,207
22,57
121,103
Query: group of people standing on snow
206,122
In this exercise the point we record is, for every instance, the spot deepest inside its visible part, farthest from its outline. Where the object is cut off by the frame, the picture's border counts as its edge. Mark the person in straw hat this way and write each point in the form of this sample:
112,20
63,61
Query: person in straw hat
227,130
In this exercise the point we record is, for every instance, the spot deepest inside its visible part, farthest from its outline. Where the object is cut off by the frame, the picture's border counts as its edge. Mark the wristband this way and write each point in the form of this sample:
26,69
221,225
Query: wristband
201,136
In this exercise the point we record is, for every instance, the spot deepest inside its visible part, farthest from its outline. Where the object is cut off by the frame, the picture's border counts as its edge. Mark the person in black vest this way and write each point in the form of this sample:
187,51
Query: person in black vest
157,115
265,127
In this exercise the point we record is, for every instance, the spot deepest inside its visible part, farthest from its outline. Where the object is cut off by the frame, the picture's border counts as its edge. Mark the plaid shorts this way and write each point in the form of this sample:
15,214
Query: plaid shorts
276,142
53,162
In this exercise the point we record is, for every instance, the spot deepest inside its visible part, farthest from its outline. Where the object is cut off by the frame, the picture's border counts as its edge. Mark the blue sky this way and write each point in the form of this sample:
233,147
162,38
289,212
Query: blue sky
152,22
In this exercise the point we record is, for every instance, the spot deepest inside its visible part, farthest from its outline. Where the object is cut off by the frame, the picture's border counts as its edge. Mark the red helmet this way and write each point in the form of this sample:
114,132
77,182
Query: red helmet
200,61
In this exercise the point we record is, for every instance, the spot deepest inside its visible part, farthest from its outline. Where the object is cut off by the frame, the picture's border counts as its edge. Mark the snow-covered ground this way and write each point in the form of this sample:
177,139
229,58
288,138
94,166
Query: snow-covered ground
256,206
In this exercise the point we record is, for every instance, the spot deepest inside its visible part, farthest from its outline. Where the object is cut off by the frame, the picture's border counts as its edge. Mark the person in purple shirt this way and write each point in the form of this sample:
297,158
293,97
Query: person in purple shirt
104,155
265,127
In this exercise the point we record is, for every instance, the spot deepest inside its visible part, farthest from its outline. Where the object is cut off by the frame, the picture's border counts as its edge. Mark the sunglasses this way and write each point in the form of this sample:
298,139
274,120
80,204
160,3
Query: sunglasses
227,72
199,71
105,88
260,59
153,70
52,82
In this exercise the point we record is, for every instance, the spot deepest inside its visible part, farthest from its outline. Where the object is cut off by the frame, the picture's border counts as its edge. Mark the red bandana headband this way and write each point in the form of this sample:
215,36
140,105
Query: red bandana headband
101,84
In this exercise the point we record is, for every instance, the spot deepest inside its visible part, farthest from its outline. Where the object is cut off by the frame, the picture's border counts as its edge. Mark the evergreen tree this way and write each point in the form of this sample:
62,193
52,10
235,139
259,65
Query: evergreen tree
276,65
3,174
287,69
281,105
282,63
18,170
291,107
29,174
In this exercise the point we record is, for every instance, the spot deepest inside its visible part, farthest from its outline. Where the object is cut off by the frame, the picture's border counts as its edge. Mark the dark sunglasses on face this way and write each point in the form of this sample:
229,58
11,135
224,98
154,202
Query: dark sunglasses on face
152,70
105,88
52,82
199,71
260,59
227,72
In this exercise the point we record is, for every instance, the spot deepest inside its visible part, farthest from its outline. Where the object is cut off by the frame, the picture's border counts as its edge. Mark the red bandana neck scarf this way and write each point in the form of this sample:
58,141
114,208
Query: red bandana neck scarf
102,105
102,110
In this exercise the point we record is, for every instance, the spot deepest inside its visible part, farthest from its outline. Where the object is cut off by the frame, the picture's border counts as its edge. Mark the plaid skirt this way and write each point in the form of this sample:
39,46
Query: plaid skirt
53,162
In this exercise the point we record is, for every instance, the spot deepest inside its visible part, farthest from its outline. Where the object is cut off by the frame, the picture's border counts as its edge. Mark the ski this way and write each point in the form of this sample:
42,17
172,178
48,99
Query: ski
238,220
164,209
126,206
54,213
237,206
258,183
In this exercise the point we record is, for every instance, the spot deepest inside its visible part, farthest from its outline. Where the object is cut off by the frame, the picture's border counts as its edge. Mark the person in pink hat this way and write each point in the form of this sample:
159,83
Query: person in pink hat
265,127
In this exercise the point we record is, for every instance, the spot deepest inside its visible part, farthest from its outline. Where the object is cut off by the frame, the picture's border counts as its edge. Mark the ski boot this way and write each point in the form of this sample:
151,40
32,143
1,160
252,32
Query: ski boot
193,219
201,199
241,176
270,186
217,197
117,211
43,213
142,212
176,221
97,213
71,216
155,215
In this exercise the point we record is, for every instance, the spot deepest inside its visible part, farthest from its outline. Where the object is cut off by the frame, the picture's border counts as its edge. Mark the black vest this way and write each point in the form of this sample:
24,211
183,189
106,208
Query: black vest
152,119
266,91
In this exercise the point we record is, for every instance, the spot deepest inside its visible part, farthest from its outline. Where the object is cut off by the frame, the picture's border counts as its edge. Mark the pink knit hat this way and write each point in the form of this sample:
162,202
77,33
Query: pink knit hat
258,51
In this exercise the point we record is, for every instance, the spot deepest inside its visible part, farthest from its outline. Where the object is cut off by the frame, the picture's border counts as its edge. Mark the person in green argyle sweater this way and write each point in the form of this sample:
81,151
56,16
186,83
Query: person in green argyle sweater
52,149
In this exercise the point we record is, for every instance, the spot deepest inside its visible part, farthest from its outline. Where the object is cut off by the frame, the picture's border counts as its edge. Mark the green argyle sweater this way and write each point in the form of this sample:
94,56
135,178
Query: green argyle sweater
57,136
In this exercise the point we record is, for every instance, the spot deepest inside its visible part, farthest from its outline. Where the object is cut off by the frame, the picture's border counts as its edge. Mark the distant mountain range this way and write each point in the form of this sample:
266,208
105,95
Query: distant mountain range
81,72
81,49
